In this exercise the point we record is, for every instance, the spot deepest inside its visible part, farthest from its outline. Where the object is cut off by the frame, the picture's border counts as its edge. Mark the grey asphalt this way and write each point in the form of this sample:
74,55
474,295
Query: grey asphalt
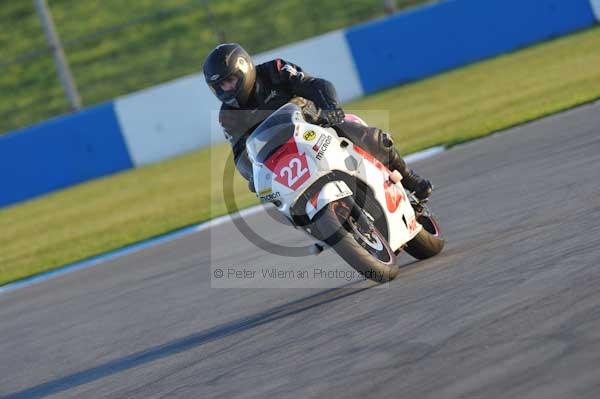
510,309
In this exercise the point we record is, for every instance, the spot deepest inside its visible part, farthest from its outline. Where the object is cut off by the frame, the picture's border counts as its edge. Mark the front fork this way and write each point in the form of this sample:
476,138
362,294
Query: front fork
345,208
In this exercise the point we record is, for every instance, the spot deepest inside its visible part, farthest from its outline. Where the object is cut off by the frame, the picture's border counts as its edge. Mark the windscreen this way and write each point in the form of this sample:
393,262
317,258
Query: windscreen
272,133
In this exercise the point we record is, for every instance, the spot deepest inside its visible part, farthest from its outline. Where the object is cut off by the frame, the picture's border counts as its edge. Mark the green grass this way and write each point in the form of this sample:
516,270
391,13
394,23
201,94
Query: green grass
460,105
115,46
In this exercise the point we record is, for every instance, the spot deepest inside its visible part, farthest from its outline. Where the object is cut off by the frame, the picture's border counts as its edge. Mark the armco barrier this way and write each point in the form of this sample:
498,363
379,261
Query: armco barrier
61,152
438,37
179,116
596,8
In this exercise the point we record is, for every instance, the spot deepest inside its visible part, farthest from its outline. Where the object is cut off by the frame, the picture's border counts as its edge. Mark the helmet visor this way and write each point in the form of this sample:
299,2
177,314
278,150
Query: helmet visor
228,88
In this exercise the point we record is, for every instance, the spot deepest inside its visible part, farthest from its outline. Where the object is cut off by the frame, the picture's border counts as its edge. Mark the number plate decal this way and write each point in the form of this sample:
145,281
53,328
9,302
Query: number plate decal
289,166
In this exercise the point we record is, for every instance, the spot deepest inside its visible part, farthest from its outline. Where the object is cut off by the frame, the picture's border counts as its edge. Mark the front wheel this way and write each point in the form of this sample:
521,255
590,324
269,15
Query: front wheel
348,230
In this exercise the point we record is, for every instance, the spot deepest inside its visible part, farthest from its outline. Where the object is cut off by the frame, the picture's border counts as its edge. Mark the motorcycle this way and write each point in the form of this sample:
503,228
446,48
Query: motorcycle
339,194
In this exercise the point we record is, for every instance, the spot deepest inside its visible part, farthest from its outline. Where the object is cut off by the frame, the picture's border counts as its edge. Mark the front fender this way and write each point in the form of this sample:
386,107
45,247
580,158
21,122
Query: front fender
331,191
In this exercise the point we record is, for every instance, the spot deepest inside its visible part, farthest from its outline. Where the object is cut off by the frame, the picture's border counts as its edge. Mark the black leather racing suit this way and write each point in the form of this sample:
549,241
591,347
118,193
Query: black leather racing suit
277,82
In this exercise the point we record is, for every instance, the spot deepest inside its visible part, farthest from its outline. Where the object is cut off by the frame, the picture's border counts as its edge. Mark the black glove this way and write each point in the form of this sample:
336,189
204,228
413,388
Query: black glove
332,117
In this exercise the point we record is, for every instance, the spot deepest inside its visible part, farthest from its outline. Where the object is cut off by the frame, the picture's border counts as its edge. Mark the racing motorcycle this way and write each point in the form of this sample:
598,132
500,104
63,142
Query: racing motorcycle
339,194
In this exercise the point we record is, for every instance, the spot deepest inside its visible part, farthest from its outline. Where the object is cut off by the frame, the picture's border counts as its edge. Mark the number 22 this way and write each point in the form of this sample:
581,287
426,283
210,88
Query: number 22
288,172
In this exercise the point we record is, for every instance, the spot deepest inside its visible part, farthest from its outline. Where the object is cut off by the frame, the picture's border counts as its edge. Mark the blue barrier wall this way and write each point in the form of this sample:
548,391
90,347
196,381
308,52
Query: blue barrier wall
438,37
61,152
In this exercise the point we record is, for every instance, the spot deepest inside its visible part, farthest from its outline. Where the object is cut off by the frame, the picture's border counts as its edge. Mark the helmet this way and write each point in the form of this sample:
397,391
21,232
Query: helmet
230,74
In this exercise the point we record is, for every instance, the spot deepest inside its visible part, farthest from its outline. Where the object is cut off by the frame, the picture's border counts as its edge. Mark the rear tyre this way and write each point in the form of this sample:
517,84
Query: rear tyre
428,242
342,225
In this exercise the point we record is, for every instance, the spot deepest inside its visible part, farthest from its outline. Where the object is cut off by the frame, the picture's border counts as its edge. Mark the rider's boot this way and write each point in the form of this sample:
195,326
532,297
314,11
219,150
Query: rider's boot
419,185
381,145
410,180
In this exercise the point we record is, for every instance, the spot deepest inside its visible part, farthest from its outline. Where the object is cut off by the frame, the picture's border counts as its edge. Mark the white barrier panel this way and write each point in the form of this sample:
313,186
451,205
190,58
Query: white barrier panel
177,116
167,120
327,56
596,8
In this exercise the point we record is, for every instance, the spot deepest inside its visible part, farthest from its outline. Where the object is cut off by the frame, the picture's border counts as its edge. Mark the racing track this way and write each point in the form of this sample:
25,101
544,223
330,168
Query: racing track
511,309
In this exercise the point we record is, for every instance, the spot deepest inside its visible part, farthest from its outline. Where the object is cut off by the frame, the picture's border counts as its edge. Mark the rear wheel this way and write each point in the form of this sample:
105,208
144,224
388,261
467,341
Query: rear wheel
428,242
352,234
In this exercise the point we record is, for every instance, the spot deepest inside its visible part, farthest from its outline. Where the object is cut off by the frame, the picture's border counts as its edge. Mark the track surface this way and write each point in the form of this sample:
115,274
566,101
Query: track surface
511,309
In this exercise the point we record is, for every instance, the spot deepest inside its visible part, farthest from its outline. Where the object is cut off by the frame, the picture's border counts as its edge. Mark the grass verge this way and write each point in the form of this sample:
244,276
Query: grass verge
125,46
460,105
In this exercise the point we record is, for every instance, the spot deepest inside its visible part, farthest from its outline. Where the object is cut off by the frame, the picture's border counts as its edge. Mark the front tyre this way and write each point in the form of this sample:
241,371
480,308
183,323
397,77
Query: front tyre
346,228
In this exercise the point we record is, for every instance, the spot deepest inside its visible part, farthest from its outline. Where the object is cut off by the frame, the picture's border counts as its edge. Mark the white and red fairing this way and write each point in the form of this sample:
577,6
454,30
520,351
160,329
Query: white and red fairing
305,157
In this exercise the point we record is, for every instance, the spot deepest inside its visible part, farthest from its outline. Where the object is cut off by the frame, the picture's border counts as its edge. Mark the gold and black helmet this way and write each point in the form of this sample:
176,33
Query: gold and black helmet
230,74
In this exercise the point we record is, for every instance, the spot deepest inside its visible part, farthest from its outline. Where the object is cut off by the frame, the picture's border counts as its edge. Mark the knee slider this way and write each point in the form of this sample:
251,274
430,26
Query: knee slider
386,139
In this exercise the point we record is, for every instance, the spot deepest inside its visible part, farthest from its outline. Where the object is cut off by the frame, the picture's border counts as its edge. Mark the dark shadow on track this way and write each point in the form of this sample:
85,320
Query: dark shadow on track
189,342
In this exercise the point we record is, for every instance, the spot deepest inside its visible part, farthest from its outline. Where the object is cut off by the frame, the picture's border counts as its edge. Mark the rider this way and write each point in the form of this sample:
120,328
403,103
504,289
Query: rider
259,90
